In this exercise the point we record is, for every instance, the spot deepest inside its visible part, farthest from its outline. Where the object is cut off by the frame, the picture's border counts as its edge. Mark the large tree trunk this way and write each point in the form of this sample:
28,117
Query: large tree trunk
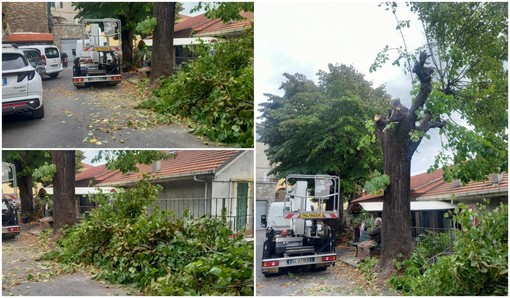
127,46
396,224
393,134
26,194
163,41
64,202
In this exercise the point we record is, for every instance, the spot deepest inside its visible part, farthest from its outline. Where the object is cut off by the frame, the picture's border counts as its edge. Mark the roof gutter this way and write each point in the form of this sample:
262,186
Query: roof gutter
466,195
158,178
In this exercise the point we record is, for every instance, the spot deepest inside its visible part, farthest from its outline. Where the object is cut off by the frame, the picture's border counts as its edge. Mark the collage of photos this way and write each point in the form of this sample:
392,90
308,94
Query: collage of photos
334,148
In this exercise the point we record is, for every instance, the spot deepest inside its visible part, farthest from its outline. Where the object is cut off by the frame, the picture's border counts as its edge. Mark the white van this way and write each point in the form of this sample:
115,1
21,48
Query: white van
51,56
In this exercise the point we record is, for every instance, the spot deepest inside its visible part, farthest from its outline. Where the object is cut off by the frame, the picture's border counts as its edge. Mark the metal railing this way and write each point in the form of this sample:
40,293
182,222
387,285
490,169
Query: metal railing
445,242
416,231
235,211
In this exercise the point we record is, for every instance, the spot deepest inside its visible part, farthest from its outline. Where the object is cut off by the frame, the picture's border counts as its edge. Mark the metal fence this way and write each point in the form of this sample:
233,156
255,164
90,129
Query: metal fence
416,231
235,211
445,242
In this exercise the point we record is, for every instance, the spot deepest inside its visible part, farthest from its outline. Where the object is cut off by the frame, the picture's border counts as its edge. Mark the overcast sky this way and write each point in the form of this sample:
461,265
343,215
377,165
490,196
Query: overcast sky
304,37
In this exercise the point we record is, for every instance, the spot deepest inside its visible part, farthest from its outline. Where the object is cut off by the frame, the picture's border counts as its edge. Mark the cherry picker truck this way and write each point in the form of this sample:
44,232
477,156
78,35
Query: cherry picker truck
96,58
311,202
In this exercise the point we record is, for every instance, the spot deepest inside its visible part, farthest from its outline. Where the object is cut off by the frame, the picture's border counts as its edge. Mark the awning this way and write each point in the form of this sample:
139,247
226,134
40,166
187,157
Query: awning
86,190
27,37
185,41
415,206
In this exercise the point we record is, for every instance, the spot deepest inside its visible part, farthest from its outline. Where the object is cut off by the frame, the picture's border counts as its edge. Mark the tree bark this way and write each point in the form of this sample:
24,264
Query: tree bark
163,41
64,201
127,44
393,134
396,225
26,194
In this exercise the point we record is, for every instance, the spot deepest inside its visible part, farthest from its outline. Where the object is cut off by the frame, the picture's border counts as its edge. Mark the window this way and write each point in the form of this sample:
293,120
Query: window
13,61
57,4
51,52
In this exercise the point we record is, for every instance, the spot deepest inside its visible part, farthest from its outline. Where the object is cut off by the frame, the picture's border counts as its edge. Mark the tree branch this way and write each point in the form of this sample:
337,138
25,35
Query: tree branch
425,75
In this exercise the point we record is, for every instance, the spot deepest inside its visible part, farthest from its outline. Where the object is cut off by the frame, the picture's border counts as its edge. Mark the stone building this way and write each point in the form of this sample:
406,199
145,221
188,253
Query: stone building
266,184
63,13
26,16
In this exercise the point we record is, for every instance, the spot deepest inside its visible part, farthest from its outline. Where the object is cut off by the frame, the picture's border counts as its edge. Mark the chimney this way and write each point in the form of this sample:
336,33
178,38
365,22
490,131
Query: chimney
156,166
496,178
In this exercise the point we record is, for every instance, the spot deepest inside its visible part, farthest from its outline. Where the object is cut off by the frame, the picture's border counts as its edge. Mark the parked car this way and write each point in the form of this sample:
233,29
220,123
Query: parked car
51,57
10,220
35,59
22,91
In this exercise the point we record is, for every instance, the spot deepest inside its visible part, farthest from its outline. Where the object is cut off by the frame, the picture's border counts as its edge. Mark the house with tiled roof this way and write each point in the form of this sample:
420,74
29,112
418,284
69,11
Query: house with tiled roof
91,175
431,197
187,31
200,182
200,26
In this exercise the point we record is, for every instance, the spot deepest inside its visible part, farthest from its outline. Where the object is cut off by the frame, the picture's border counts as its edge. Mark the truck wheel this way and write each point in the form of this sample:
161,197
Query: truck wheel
39,113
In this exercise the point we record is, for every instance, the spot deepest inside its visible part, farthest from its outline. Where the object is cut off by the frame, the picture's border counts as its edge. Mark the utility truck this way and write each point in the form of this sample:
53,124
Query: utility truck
97,53
10,219
311,202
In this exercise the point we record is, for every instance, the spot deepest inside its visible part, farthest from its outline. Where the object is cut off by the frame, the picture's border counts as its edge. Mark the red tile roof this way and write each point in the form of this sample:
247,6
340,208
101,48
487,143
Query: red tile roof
97,174
220,28
431,186
201,26
186,163
29,37
190,23
484,189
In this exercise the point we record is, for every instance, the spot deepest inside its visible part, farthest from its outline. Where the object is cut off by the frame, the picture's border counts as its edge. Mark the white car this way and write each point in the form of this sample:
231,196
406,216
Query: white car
22,91
51,57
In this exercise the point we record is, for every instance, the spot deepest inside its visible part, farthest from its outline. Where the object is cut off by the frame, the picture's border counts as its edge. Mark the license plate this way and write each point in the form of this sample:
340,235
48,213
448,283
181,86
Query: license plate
97,79
54,65
300,261
4,81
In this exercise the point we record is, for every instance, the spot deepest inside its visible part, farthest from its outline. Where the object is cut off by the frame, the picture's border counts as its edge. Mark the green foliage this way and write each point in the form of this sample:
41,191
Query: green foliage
146,27
28,160
367,268
126,160
161,254
377,184
468,47
130,13
225,11
45,172
215,92
475,264
316,129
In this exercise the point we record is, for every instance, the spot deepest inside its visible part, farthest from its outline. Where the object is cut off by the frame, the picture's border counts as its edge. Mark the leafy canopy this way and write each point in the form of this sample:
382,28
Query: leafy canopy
126,160
467,45
314,129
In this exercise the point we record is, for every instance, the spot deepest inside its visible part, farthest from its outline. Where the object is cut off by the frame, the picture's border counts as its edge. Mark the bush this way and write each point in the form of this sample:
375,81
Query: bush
477,266
215,91
161,254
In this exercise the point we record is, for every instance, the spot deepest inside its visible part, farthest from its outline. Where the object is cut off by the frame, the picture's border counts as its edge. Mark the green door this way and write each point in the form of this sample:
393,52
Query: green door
242,205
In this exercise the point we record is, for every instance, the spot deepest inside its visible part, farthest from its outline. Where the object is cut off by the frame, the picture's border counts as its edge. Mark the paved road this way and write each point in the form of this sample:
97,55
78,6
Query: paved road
24,275
340,280
96,117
